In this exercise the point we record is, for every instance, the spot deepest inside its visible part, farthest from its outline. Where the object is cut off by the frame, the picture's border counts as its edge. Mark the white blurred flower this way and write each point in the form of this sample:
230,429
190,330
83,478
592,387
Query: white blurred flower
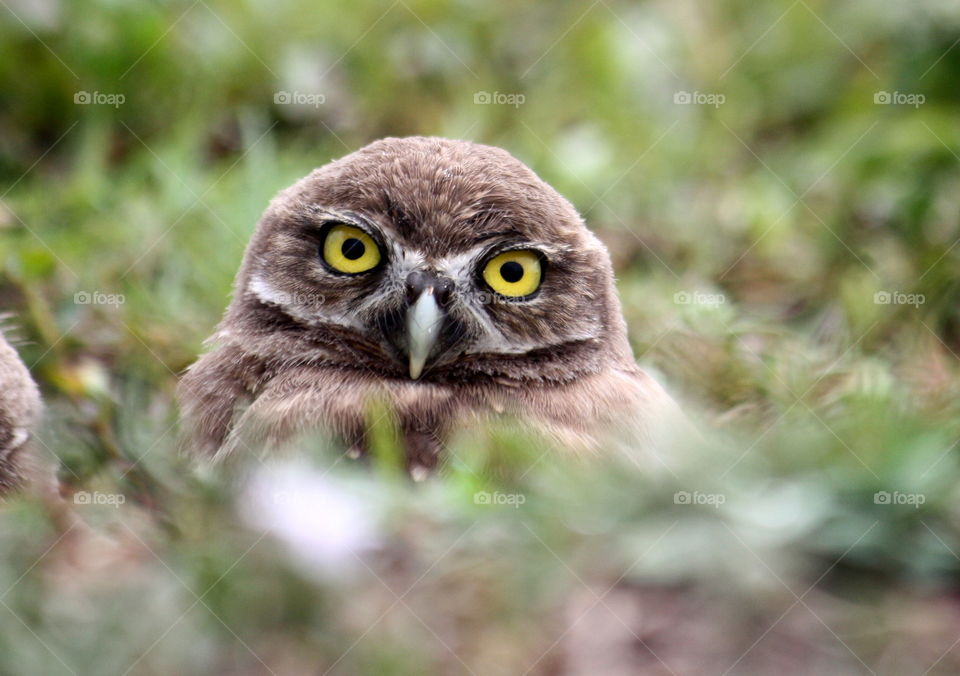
324,525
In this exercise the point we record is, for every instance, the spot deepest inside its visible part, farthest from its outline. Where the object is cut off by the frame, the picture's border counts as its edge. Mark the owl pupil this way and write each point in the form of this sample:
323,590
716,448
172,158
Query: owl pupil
352,249
511,271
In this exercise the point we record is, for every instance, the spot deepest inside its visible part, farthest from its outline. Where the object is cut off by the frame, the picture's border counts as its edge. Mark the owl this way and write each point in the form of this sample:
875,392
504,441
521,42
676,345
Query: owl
442,277
19,408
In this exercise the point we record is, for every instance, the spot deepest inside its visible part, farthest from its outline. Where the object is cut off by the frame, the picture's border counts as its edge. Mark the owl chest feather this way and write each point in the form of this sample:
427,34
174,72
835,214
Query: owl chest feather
340,401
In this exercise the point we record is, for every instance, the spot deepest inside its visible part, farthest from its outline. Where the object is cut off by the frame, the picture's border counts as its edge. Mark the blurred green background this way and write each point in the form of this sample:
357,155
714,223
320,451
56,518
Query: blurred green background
778,185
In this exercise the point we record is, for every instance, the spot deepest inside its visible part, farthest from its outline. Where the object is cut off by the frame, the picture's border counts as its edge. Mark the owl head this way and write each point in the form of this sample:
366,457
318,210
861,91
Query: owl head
432,260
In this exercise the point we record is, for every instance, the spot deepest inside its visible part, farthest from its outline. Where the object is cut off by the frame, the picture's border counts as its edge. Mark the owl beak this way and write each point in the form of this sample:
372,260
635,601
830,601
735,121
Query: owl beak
424,320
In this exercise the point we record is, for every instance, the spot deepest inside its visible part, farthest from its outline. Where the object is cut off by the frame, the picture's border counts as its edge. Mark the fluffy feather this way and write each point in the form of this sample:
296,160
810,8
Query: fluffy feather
19,409
302,349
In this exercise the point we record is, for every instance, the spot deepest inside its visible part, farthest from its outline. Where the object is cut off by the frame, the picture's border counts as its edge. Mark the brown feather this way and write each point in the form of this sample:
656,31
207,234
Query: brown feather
19,409
301,349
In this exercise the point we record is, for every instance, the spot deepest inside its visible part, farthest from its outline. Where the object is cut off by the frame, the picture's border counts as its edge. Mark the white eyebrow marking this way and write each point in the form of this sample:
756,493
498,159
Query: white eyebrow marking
262,289
267,293
460,266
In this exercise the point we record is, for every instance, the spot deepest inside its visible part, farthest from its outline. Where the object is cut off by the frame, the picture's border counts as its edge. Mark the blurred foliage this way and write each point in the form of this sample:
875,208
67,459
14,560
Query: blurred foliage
751,236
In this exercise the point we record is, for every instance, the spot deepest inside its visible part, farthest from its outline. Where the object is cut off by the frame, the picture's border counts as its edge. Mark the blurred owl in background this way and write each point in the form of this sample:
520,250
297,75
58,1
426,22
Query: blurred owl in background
19,409
441,276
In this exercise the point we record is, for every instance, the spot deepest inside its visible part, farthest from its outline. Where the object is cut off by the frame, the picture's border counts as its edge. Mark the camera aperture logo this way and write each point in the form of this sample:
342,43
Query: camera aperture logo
698,498
898,498
98,498
898,298
683,98
899,99
498,99
284,98
98,99
497,498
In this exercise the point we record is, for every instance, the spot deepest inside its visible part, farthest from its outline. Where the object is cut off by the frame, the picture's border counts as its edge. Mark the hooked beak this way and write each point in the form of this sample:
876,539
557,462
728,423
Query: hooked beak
424,321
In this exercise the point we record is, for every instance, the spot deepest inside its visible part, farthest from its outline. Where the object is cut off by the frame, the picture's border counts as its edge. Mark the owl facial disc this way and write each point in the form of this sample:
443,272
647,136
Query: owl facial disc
424,320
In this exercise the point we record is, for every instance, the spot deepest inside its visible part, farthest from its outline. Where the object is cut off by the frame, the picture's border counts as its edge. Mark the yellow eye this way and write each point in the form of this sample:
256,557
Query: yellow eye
350,250
514,273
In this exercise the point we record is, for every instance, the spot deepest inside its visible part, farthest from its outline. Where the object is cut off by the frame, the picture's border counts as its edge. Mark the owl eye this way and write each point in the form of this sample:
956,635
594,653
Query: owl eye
514,274
350,250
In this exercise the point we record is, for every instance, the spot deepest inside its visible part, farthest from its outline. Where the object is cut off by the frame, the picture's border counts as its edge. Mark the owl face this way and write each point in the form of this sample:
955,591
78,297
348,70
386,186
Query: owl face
426,259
